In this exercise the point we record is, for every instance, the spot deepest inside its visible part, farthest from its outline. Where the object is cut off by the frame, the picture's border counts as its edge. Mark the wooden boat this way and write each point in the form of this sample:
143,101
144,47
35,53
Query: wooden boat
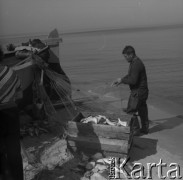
24,68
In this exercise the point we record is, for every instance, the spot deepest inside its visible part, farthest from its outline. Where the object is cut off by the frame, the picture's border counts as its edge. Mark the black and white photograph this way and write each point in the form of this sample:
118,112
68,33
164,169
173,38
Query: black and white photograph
91,89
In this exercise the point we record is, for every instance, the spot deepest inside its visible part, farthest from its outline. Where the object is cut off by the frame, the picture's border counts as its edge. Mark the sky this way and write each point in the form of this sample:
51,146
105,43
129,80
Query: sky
41,16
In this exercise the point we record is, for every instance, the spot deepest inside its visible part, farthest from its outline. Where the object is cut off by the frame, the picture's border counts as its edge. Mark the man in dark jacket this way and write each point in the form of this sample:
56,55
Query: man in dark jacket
137,81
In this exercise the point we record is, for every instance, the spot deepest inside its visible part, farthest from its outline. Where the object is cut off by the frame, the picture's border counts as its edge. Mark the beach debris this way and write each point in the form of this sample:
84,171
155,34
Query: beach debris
100,119
30,166
77,170
96,170
27,156
55,154
84,178
90,165
95,167
104,161
50,155
31,171
97,176
88,174
100,167
84,157
97,156
33,129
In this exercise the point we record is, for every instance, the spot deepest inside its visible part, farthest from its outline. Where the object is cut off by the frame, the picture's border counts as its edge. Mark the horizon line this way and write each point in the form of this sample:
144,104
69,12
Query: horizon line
99,30
127,29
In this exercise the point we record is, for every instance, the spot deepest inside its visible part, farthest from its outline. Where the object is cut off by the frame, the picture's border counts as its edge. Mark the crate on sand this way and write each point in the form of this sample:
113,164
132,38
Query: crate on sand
108,139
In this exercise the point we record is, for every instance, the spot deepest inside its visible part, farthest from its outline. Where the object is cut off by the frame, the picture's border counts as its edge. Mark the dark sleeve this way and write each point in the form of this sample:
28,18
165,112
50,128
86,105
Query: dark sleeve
133,75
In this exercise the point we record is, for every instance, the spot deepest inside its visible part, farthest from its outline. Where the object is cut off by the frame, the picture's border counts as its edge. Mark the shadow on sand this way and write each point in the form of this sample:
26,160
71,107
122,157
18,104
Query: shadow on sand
163,124
142,147
86,141
64,172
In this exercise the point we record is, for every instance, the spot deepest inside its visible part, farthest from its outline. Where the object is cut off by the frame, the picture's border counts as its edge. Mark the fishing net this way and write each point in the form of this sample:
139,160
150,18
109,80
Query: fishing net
55,90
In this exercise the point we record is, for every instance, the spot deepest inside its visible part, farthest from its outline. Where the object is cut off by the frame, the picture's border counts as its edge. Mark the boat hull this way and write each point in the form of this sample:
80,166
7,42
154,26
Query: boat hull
26,74
25,70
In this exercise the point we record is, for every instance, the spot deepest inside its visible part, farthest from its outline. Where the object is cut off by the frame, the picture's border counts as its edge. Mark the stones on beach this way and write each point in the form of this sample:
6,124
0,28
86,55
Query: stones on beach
84,157
55,154
104,161
90,165
97,156
96,167
97,176
51,154
100,167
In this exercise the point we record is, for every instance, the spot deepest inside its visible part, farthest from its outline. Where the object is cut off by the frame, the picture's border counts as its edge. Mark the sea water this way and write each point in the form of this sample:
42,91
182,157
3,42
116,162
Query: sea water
93,60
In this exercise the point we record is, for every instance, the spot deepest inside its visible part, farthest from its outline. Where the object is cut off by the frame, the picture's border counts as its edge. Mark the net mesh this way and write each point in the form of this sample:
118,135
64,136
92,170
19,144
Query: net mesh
70,97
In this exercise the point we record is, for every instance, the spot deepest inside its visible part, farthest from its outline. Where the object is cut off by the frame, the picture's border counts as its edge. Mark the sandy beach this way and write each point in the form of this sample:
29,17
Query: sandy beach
164,141
165,129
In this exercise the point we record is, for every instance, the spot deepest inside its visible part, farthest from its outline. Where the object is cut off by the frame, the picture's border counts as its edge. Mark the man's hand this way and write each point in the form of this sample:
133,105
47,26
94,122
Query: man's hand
116,83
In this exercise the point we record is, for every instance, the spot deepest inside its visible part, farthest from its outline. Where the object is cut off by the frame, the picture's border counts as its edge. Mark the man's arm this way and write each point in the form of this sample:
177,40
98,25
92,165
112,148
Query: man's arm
118,81
133,76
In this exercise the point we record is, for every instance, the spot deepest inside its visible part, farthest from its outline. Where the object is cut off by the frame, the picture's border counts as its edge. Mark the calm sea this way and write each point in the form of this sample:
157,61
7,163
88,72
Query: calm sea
93,60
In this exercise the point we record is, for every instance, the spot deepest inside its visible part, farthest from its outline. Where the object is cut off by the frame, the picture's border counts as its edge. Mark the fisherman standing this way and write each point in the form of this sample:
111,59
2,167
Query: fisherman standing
11,167
137,81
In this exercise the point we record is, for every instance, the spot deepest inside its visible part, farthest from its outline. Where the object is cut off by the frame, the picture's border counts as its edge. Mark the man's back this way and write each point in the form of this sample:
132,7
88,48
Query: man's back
138,71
